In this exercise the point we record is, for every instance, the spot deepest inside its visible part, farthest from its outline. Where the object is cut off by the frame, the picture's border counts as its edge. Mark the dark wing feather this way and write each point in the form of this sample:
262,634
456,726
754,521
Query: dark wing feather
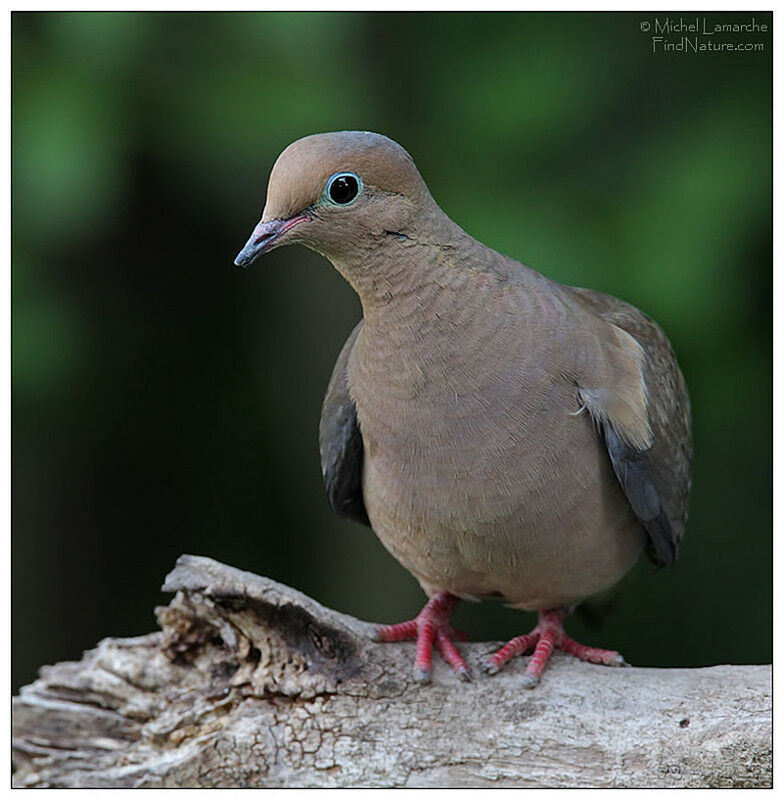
635,471
656,481
340,442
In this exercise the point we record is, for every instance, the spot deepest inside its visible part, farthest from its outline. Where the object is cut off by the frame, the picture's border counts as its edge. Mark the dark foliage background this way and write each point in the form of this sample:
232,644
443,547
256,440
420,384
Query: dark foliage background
166,402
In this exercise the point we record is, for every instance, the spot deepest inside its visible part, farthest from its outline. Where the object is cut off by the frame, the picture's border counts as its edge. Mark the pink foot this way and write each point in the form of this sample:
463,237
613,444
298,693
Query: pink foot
548,635
430,626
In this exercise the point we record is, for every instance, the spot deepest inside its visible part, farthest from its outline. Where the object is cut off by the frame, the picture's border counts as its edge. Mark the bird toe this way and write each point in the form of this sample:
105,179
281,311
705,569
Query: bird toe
530,681
421,675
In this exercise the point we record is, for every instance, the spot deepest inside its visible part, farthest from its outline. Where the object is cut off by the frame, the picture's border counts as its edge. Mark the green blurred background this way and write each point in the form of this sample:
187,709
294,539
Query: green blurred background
165,402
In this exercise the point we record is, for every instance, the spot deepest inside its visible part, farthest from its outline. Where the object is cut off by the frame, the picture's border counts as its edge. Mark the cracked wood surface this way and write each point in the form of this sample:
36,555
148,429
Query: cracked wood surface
251,683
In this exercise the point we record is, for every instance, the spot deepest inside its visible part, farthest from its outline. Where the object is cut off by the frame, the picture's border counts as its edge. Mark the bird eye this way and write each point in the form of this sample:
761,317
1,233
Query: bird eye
343,188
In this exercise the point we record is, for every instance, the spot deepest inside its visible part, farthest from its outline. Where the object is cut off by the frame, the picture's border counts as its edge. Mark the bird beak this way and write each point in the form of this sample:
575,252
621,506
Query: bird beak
265,236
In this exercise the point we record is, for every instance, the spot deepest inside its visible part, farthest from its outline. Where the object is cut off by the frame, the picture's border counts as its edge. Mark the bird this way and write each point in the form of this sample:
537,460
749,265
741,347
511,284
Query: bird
503,435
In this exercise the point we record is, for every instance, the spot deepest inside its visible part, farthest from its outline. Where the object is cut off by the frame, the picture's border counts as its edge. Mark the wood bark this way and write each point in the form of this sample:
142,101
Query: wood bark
251,683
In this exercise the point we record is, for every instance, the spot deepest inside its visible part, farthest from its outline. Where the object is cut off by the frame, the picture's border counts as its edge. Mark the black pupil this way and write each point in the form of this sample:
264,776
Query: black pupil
343,189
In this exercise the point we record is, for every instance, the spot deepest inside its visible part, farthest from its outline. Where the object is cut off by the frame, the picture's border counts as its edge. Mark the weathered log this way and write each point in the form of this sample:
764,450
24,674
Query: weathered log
251,683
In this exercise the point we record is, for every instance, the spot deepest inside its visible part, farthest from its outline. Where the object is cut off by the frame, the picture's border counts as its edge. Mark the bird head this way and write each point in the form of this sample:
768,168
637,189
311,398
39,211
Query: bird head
337,193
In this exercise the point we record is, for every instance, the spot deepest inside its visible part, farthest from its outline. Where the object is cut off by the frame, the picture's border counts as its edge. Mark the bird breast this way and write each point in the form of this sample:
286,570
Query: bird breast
460,417
481,474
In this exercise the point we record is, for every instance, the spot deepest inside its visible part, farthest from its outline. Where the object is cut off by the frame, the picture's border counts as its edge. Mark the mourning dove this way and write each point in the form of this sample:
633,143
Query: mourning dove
502,434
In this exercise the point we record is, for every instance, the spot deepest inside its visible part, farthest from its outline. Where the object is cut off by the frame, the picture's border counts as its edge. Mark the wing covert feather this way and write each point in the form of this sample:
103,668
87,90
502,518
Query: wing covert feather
655,480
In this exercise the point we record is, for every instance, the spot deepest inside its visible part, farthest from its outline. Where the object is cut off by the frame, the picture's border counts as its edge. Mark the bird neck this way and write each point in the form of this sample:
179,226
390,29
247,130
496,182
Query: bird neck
435,279
403,277
423,298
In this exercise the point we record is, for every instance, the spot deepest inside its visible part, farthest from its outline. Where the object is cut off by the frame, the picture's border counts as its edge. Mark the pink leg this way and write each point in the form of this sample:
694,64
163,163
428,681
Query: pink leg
610,658
548,635
431,625
550,624
401,632
426,632
516,647
451,655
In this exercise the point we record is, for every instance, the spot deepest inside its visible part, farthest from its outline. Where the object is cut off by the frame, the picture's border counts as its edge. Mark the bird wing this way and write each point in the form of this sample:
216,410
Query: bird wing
340,442
654,474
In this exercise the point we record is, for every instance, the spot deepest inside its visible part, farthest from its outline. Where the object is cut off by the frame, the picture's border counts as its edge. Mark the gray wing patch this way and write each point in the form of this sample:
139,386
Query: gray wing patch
657,481
634,471
342,466
340,443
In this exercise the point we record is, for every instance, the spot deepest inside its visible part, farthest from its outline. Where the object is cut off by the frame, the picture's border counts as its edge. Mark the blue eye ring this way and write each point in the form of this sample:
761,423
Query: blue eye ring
343,188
